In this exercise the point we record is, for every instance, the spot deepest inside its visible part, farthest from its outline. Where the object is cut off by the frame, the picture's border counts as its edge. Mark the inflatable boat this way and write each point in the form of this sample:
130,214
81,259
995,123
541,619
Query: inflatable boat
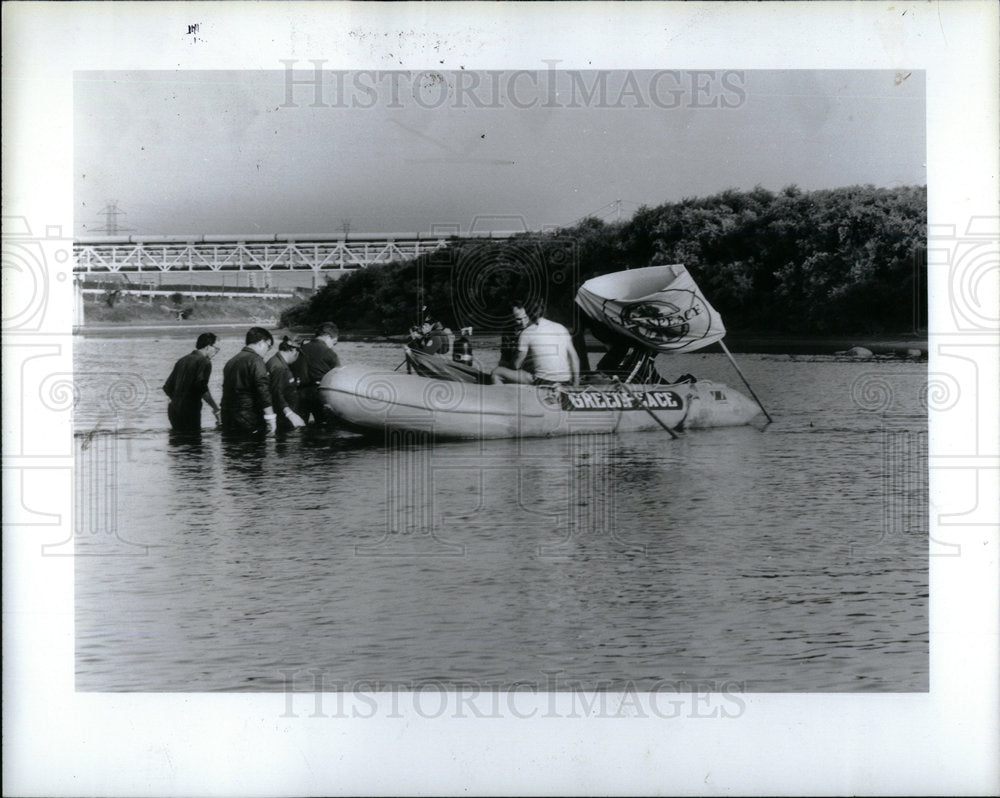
644,311
375,402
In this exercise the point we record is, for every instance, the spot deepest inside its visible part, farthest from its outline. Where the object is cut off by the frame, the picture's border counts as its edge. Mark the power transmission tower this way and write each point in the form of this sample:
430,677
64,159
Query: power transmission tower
111,212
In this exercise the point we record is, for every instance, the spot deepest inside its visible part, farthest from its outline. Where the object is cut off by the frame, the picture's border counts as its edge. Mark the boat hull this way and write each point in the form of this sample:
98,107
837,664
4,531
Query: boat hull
373,402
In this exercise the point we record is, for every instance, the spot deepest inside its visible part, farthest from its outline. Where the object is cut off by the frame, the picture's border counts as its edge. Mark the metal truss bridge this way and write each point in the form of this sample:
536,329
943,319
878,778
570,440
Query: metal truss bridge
97,255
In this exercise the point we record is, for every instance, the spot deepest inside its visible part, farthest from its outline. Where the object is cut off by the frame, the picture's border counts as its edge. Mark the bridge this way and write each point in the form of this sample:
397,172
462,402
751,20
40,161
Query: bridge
97,256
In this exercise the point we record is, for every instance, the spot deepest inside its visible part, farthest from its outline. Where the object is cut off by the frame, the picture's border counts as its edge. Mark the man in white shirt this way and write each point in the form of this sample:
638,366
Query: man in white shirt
545,352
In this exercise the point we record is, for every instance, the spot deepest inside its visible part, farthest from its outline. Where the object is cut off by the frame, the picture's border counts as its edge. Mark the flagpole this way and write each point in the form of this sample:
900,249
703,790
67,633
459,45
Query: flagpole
729,355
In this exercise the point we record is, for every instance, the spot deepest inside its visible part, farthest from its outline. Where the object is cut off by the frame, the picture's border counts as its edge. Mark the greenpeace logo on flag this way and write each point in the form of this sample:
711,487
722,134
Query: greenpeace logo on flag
675,315
660,307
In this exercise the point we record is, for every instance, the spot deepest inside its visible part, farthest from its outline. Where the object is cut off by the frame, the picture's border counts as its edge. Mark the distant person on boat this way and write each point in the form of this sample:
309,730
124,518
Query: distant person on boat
315,360
285,386
627,361
246,390
433,338
187,385
545,352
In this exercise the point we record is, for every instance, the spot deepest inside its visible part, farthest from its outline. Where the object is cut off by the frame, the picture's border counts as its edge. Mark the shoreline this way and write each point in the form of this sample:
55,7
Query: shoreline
743,343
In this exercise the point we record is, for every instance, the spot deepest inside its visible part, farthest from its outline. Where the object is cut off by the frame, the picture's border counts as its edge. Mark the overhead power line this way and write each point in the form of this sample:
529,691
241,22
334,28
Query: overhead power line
111,227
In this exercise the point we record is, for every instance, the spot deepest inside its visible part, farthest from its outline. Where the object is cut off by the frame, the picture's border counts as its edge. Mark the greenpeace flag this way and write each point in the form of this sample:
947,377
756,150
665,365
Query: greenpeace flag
660,307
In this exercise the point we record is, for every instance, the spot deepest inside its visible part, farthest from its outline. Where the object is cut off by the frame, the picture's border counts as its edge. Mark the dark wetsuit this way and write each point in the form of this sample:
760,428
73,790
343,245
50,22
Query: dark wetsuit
246,391
186,386
315,360
435,343
284,390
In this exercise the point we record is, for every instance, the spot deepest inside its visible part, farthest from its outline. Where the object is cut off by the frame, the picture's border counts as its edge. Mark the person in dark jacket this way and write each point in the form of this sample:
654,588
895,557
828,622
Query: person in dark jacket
285,386
246,389
435,339
187,385
315,360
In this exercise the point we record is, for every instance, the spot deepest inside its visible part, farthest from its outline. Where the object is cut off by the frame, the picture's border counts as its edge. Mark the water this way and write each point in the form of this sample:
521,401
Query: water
785,558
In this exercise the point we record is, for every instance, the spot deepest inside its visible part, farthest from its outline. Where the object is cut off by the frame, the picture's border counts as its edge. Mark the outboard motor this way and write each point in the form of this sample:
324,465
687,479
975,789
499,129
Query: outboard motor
462,350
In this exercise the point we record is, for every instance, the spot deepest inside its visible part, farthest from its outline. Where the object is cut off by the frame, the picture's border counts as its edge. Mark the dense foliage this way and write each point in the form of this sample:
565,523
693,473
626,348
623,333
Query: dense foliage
832,261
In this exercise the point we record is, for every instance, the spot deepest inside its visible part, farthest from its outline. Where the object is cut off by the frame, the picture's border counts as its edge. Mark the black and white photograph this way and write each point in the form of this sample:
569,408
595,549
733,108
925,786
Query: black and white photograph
599,502
532,407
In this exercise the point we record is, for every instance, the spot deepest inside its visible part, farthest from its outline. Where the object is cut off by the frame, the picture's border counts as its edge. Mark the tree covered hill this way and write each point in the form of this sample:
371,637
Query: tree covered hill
843,260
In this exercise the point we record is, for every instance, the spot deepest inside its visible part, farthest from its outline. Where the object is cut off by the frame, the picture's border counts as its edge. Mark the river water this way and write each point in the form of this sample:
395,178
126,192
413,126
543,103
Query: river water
791,557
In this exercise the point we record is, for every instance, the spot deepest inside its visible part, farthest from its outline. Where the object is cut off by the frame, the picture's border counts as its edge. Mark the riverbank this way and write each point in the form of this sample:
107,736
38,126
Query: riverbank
899,345
175,309
133,316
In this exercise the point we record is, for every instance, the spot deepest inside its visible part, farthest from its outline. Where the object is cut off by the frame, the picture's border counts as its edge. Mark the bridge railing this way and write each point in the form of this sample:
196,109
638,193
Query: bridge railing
245,255
107,254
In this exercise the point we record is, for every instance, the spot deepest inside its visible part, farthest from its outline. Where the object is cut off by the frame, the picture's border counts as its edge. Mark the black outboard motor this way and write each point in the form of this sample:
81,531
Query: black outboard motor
462,349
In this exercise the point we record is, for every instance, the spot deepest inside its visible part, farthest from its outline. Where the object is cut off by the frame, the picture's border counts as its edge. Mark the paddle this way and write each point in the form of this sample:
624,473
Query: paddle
646,407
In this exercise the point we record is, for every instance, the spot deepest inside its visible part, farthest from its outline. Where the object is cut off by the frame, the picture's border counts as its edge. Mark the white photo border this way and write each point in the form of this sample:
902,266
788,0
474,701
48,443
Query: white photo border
59,742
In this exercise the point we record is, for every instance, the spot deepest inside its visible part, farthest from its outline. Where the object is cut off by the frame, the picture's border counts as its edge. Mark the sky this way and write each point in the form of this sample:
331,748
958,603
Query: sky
251,151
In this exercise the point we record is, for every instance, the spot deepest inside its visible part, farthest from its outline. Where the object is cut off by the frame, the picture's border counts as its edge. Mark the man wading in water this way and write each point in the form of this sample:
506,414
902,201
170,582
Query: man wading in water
246,389
285,386
187,386
316,358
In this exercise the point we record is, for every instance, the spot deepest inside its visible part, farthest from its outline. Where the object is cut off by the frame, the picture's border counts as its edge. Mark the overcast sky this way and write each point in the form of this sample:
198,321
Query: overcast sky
219,152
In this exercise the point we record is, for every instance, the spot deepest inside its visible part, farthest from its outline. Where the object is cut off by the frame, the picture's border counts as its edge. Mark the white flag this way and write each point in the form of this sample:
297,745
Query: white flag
660,307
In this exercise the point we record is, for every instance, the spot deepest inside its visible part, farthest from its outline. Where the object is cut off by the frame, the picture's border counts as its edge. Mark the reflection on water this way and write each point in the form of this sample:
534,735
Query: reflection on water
781,559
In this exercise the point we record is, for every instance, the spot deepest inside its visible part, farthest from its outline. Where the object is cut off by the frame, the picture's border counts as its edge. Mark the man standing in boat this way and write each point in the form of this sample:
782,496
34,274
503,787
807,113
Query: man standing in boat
187,385
246,389
315,359
545,352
